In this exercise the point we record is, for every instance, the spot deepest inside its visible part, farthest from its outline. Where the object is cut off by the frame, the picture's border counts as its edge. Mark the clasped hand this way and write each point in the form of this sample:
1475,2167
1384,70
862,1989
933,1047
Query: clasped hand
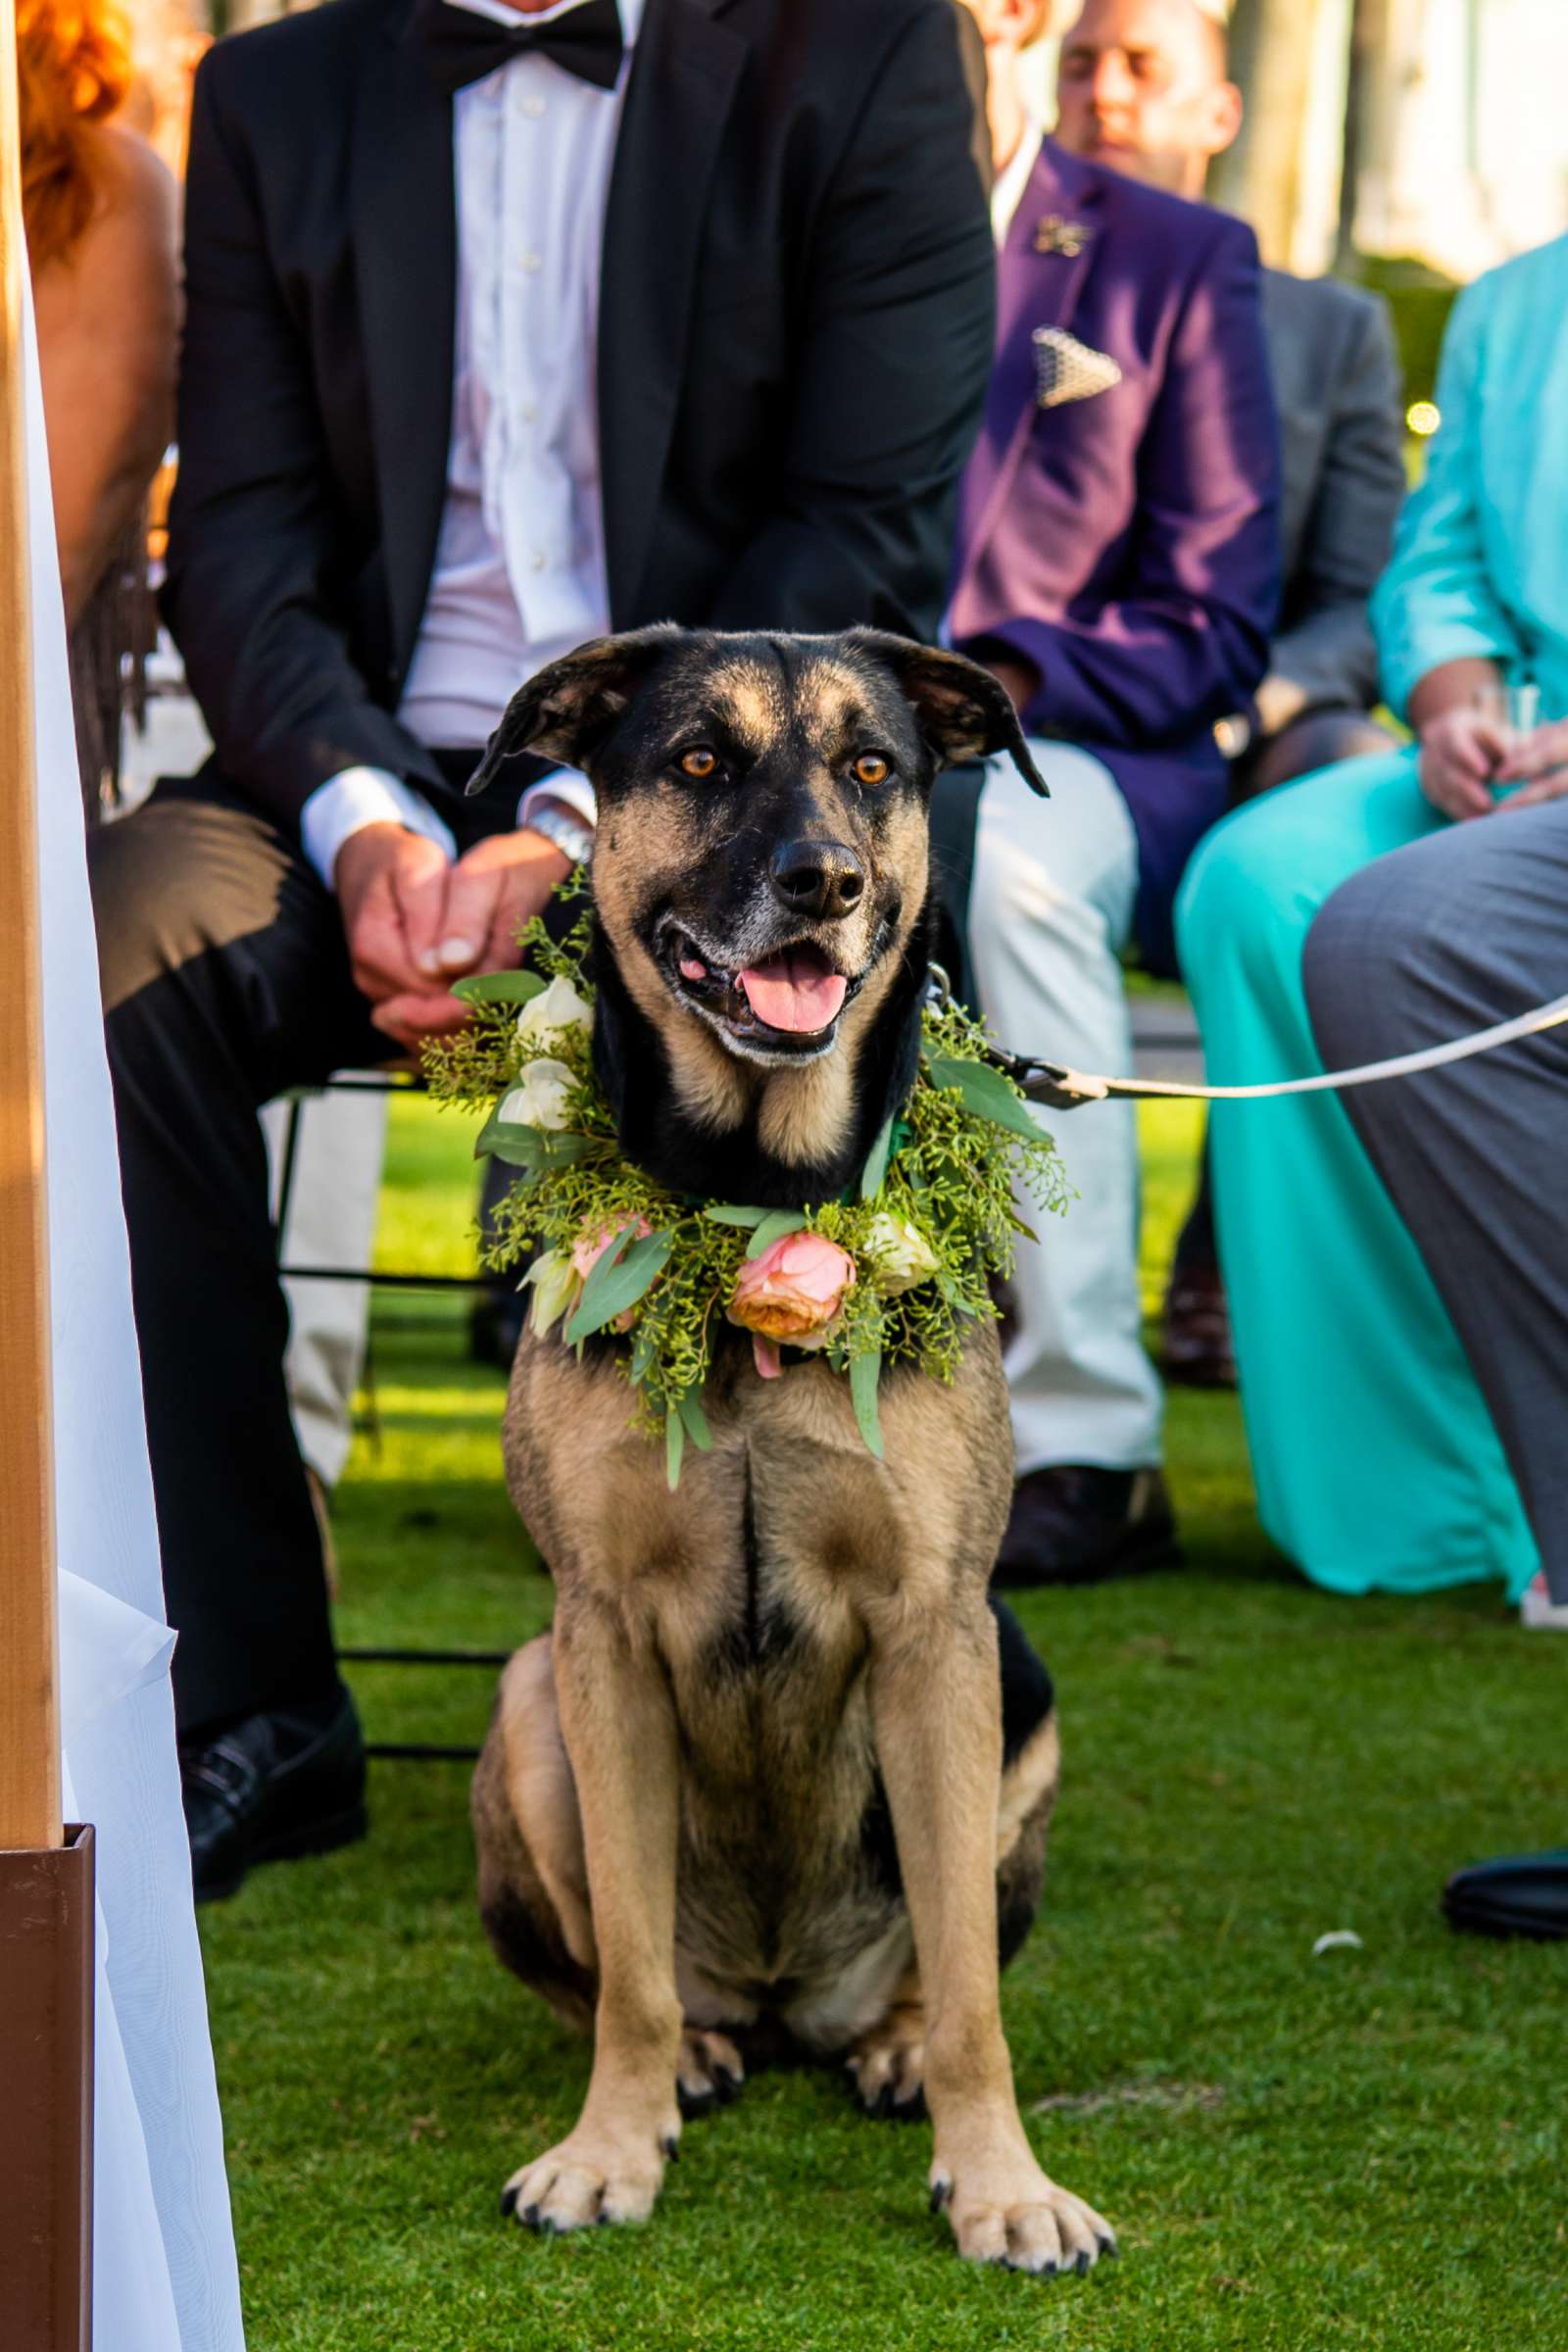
415,921
1464,754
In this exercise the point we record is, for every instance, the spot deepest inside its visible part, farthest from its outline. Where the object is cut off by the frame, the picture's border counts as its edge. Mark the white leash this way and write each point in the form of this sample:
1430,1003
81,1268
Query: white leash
1063,1089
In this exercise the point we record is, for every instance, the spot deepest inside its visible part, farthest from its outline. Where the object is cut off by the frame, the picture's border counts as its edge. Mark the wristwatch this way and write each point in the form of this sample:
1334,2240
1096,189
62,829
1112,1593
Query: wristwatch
566,829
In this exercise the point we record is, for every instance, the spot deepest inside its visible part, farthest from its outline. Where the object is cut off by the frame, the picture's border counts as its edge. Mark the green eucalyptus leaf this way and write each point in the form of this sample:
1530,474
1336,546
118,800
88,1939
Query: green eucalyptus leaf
507,1139
689,1405
876,1166
724,1212
618,1280
775,1226
499,988
674,1447
864,1373
984,1090
535,1149
642,1355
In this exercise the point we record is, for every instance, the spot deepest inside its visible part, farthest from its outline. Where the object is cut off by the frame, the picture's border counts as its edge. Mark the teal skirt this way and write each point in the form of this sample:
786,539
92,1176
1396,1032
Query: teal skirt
1377,1465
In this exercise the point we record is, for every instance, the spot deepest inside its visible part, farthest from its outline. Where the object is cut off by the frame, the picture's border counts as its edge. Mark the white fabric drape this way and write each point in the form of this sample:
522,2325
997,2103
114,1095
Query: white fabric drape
165,2277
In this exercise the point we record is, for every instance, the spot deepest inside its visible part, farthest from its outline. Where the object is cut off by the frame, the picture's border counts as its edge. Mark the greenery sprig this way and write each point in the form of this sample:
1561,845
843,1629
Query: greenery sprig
890,1272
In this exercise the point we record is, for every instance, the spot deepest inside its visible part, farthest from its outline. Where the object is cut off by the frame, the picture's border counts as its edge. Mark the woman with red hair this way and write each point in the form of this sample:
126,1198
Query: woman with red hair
100,214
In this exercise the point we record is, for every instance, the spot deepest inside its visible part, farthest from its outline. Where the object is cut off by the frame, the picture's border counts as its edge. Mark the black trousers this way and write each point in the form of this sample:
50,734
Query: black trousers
226,981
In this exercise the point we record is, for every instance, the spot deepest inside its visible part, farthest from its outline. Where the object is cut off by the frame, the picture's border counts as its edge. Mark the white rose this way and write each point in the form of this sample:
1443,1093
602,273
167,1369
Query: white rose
897,1256
559,1007
554,1283
539,1098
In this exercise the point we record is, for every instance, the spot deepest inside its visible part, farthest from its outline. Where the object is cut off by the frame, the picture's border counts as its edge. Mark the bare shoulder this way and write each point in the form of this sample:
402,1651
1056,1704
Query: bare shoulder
135,227
134,180
120,282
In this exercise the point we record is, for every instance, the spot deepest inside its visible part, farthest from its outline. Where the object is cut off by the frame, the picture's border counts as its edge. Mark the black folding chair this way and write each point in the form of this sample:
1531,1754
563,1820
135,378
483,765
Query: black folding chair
398,1750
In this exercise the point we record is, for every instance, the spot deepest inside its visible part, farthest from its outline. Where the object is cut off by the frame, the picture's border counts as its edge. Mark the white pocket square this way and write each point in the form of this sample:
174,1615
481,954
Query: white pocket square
1067,369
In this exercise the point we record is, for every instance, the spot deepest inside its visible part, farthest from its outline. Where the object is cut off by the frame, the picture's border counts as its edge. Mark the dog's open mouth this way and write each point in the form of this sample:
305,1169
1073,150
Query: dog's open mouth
793,995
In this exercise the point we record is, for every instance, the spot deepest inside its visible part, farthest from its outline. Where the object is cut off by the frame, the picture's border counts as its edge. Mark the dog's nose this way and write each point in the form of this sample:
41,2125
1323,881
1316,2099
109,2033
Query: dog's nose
818,877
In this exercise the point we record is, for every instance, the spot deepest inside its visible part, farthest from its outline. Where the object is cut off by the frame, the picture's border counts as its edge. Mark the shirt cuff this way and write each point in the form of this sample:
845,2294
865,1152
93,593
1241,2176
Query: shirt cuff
357,796
566,785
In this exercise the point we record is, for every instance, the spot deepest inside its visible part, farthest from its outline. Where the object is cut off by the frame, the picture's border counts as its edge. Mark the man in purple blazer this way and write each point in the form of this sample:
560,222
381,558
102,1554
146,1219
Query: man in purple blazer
1119,570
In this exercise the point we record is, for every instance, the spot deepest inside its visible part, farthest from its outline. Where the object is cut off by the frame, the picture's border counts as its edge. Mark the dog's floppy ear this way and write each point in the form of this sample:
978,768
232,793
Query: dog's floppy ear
563,710
963,710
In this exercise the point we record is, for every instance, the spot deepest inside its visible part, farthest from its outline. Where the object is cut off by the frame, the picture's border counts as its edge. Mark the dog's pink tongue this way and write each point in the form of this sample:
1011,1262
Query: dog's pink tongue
792,990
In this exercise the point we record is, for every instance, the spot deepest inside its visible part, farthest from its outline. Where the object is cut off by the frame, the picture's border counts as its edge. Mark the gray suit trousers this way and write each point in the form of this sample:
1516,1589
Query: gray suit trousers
1464,928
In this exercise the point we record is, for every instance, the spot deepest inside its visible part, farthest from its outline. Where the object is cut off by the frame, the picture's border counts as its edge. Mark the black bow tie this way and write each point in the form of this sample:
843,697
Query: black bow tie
461,47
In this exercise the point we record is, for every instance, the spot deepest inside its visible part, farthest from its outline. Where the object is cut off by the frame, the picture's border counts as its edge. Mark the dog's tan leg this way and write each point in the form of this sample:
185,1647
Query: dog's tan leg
938,1741
619,1729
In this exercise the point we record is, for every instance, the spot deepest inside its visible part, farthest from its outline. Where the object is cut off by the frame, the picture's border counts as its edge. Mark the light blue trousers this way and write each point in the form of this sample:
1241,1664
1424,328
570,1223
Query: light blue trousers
1377,1464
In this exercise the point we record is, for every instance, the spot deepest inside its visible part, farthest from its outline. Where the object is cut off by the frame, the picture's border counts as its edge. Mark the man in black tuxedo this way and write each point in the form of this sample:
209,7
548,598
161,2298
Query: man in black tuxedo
507,324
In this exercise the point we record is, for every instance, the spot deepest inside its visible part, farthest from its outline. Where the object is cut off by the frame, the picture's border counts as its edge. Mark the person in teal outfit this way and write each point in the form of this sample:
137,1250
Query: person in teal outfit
1378,1467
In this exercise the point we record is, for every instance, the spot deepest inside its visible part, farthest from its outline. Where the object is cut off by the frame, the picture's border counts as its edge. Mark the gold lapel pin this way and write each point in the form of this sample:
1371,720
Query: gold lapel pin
1054,234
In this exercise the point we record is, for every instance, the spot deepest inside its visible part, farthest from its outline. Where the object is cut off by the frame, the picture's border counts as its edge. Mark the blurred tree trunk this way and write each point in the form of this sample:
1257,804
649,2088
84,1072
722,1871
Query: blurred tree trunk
1370,31
1272,50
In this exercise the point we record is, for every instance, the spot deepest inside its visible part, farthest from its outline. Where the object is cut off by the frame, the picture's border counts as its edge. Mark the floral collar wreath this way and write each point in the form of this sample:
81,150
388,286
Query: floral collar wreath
887,1273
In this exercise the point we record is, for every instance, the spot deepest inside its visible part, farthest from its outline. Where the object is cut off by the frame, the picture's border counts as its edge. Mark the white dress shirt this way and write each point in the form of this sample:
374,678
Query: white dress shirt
1006,191
520,566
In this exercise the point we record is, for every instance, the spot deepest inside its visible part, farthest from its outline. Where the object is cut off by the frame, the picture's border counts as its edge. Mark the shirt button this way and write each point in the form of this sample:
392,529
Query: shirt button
533,106
530,262
538,560
530,413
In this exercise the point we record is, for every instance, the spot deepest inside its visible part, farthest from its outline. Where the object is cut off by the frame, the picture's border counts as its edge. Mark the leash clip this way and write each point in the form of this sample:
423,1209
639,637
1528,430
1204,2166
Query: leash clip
1053,1085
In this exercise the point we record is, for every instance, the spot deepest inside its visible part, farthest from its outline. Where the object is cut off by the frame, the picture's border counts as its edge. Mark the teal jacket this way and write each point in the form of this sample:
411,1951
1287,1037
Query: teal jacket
1480,552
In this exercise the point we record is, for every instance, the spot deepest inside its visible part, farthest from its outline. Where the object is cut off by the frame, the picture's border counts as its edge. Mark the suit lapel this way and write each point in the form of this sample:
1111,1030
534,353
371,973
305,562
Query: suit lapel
684,74
1038,284
403,207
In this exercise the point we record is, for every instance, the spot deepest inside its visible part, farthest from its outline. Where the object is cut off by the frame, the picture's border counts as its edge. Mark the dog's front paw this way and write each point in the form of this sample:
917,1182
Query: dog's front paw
888,2065
1005,2209
593,2176
708,2072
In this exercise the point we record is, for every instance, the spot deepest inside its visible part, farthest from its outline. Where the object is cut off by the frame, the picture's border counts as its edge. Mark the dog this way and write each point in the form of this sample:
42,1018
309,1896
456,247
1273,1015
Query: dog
780,1771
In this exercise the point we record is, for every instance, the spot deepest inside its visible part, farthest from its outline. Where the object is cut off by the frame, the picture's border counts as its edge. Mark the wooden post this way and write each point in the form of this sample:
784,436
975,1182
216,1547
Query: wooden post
29,1725
46,1874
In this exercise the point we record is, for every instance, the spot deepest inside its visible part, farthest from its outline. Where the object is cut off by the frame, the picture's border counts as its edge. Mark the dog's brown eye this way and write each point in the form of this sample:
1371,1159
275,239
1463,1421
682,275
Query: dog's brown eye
699,761
870,768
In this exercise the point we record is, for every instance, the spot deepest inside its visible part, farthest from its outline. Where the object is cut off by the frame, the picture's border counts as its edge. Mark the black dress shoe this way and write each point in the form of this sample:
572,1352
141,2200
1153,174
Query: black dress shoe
269,1789
1073,1523
1518,1894
1196,1347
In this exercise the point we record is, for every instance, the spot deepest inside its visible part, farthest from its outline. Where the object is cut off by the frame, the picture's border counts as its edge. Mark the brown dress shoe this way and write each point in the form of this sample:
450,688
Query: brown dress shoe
1075,1524
1196,1345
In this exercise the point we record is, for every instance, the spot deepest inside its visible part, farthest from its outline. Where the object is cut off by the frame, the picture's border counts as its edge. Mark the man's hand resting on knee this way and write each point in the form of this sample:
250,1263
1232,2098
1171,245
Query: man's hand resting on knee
415,922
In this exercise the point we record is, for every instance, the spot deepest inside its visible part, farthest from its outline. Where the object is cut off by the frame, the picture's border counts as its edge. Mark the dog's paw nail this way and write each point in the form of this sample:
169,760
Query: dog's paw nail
509,2203
602,2218
530,2217
941,2191
1108,2245
728,2084
1081,2266
671,2148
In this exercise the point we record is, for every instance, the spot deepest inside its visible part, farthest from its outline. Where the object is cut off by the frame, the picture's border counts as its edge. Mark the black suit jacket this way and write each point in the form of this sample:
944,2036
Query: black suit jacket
793,336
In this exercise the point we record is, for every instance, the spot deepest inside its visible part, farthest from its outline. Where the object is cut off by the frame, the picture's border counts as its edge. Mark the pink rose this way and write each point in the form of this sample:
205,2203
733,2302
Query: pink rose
794,1289
590,1246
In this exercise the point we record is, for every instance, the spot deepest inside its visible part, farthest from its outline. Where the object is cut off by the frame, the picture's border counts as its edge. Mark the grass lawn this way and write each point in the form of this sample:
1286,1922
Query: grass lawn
1362,2149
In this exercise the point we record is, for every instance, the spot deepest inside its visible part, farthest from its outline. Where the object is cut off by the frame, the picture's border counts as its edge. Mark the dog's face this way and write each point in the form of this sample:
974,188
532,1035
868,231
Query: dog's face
761,856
